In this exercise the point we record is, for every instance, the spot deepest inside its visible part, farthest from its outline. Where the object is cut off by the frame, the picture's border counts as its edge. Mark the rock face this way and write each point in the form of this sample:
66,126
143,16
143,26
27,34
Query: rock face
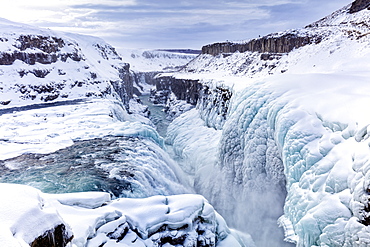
279,42
274,43
56,237
184,89
359,5
211,101
48,50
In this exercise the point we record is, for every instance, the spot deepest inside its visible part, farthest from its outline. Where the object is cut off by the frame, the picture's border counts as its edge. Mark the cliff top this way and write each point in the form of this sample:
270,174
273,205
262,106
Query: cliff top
353,18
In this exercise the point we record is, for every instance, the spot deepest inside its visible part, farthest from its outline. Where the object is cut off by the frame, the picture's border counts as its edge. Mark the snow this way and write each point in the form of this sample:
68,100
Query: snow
95,220
24,215
48,129
304,121
155,60
84,66
293,146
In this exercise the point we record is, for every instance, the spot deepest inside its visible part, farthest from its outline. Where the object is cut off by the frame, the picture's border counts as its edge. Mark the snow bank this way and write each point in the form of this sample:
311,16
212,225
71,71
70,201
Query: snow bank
95,220
25,215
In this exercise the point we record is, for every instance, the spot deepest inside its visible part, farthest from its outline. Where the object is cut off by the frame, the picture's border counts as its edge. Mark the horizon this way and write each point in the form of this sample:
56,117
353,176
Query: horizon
141,24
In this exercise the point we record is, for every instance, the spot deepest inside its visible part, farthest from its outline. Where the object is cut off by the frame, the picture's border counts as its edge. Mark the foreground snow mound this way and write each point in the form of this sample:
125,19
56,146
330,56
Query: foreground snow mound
26,216
95,220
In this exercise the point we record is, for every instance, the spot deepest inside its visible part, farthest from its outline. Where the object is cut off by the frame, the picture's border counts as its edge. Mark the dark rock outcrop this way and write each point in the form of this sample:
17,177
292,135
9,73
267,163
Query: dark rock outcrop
184,89
57,237
34,49
211,101
44,43
124,87
359,5
268,44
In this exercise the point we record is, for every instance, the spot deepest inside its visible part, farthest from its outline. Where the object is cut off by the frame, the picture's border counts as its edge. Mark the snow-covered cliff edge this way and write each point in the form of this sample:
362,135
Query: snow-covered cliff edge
39,65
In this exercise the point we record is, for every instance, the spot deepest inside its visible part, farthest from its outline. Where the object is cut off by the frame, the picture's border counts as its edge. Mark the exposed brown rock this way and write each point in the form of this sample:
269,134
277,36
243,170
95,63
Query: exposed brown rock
183,89
57,237
359,5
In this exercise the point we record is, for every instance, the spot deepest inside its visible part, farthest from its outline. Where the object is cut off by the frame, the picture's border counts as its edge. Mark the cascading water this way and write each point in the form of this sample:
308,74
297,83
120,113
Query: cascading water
127,159
132,166
122,166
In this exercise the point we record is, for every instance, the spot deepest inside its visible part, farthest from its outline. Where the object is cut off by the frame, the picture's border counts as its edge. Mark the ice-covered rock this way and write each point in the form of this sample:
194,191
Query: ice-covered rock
29,217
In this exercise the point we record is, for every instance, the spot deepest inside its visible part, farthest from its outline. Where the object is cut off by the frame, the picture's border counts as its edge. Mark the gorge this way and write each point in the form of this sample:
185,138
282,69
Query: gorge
267,132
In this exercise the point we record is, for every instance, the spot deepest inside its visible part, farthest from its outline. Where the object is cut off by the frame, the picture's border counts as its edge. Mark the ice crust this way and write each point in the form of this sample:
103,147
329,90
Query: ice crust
303,120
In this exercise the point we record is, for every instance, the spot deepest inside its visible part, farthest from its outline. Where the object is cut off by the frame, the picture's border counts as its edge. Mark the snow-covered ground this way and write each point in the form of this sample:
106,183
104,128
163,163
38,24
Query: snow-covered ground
302,120
40,65
93,219
155,60
296,126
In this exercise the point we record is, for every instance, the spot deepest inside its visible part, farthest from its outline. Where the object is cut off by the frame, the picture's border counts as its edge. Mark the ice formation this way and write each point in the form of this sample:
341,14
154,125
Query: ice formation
299,118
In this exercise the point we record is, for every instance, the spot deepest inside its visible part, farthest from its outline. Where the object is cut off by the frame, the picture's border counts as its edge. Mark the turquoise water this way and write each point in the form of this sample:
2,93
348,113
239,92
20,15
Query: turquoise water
122,166
157,115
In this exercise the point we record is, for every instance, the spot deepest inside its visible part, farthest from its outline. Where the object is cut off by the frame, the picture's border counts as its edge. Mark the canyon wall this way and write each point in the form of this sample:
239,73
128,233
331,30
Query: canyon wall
273,43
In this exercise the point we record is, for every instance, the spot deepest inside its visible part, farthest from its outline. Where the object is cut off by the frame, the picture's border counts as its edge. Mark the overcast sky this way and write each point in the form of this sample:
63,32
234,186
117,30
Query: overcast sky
169,23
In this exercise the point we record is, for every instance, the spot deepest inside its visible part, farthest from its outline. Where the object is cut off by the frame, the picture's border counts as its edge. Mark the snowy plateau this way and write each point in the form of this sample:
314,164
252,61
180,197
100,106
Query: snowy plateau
269,137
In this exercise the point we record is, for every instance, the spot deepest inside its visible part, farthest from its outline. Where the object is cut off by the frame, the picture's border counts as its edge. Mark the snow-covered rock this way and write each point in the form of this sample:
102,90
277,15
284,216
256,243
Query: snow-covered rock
93,219
26,218
40,65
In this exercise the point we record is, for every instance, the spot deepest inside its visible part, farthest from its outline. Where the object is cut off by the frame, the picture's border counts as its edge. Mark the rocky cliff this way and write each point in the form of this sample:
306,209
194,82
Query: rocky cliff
273,43
39,65
283,42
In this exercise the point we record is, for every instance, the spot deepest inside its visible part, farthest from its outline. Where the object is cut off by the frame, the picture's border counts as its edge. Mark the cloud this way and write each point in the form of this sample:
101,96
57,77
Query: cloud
168,23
